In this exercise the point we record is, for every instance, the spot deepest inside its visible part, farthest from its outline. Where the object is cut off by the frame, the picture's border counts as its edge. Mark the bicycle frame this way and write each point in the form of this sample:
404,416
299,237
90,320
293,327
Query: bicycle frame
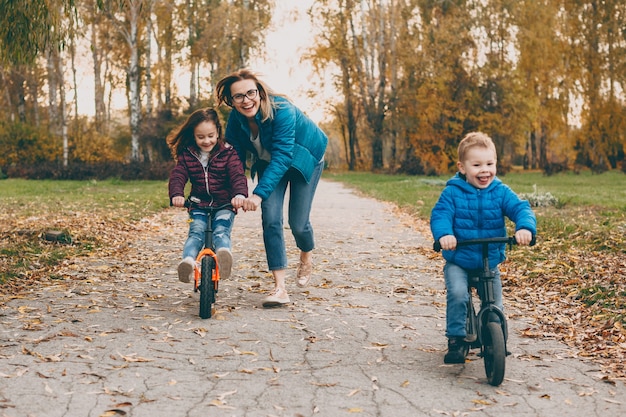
206,278
487,329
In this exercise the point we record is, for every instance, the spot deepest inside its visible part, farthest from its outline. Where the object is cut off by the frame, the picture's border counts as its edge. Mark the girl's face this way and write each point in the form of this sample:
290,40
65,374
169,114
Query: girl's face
245,95
206,136
479,166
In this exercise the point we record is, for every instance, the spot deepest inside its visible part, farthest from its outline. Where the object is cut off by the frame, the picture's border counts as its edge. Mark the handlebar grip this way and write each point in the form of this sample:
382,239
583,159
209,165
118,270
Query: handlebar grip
511,240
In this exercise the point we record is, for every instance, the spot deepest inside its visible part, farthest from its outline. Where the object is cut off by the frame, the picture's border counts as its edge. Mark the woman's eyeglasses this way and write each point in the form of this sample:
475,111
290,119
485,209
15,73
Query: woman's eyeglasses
250,94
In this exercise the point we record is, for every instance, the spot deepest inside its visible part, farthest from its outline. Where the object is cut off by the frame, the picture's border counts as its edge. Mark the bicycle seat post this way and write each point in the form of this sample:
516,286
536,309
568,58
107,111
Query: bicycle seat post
486,280
208,232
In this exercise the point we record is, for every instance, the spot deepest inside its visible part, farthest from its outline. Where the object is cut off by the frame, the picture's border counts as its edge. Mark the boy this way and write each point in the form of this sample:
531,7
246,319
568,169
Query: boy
473,205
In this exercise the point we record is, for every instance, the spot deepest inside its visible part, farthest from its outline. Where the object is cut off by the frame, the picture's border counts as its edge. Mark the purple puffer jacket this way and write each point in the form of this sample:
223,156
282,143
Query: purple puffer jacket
223,179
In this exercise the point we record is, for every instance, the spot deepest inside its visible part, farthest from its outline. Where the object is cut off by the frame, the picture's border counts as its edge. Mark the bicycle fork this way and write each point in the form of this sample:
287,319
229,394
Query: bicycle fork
489,312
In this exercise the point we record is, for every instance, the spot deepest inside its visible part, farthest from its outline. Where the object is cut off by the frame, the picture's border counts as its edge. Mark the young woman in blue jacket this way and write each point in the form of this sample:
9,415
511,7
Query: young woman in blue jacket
287,150
473,205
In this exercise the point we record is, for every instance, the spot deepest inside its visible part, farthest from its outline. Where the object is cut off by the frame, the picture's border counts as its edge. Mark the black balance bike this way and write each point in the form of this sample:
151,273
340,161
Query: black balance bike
207,276
486,329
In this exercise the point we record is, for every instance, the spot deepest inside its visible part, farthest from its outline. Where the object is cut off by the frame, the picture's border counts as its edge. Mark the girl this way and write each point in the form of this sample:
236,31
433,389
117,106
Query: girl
216,176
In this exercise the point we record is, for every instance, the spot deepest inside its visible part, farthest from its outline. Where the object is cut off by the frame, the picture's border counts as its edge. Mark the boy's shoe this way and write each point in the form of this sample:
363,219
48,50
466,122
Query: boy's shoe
304,273
224,262
276,298
185,269
456,350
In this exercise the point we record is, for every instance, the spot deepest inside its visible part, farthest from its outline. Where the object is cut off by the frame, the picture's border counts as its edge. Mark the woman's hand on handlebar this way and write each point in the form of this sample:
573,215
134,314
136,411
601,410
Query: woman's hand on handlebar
252,203
178,201
523,237
448,242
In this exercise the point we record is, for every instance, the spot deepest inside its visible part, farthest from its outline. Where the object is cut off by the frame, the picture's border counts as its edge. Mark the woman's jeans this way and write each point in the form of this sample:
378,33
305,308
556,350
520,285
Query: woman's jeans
457,297
222,226
300,201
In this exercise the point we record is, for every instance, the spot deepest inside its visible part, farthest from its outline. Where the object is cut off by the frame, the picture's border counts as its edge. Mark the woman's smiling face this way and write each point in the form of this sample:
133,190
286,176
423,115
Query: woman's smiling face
245,97
479,166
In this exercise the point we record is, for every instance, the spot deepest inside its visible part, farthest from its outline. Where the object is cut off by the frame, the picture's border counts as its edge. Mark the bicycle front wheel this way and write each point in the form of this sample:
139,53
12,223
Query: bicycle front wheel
207,289
494,353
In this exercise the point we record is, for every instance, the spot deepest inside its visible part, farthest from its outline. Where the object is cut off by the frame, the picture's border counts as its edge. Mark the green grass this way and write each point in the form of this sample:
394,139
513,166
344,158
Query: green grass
129,200
419,193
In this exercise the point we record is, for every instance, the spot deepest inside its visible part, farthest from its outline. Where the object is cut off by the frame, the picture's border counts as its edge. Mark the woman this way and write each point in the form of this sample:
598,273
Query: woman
287,149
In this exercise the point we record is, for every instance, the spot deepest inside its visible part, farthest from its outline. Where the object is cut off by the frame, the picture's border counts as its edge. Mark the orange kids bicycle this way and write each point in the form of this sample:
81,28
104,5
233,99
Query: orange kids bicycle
207,275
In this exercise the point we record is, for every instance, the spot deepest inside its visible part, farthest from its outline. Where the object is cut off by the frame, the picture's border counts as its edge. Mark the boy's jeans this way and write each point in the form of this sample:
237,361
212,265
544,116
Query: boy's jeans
300,202
222,226
457,297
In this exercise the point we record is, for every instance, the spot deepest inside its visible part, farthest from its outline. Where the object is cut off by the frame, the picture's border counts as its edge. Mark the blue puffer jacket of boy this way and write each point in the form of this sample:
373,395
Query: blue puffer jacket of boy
471,213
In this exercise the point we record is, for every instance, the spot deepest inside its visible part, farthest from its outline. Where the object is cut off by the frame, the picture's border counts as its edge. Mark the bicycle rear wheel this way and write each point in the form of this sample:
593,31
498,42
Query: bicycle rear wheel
494,353
207,289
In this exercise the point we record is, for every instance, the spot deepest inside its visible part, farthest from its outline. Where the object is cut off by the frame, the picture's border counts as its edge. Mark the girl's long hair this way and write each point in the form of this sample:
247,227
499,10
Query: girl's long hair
266,94
182,137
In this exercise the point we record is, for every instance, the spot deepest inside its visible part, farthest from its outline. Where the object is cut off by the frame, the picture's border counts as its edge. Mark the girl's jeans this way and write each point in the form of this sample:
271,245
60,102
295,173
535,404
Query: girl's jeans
222,226
457,297
300,201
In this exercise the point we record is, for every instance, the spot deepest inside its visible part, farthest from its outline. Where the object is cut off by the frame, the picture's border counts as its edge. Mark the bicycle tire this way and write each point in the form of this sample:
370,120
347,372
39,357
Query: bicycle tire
207,289
494,353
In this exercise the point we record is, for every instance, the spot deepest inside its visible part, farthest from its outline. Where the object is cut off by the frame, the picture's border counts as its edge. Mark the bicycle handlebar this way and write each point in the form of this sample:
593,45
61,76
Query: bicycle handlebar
195,205
510,240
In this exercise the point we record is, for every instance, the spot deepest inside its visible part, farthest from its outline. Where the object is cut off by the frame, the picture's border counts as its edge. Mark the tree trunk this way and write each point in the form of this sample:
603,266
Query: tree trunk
133,83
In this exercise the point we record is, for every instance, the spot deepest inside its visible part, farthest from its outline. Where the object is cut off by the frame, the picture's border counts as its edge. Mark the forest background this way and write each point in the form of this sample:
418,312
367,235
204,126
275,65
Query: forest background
544,78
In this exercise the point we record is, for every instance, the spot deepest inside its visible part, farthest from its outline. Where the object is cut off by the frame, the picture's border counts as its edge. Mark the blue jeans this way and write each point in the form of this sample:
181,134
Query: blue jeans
457,297
300,202
222,226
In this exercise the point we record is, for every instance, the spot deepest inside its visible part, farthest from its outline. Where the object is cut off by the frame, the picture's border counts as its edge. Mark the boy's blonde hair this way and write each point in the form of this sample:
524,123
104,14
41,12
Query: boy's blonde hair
473,140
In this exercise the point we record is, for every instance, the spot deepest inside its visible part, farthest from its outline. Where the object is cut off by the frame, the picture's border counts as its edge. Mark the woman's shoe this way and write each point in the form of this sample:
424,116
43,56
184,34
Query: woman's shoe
304,273
276,298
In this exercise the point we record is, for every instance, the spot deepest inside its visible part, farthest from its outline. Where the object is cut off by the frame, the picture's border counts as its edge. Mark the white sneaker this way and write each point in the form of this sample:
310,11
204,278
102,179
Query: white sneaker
224,262
185,269
278,297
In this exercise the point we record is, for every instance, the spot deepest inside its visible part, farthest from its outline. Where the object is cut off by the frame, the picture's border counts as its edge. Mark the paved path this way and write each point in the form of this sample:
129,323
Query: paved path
121,336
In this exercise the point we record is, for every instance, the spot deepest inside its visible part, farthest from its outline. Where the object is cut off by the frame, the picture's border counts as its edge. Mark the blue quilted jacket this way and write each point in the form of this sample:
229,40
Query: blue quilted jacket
471,213
293,140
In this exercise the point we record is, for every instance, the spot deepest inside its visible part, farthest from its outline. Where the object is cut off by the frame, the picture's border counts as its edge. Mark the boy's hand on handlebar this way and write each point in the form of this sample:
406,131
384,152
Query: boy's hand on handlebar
523,237
448,242
178,201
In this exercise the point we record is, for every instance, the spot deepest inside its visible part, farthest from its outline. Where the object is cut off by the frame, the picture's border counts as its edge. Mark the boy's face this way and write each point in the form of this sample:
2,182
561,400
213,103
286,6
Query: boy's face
479,166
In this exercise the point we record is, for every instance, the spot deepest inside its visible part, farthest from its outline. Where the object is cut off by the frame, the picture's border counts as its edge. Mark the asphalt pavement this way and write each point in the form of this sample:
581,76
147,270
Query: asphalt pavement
121,336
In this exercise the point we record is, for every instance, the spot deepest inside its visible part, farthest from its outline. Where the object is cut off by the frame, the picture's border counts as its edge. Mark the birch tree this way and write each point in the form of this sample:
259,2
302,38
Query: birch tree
126,16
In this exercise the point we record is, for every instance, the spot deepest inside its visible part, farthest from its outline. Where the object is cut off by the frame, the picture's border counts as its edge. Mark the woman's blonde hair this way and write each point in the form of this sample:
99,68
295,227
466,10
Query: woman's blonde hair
266,94
474,140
